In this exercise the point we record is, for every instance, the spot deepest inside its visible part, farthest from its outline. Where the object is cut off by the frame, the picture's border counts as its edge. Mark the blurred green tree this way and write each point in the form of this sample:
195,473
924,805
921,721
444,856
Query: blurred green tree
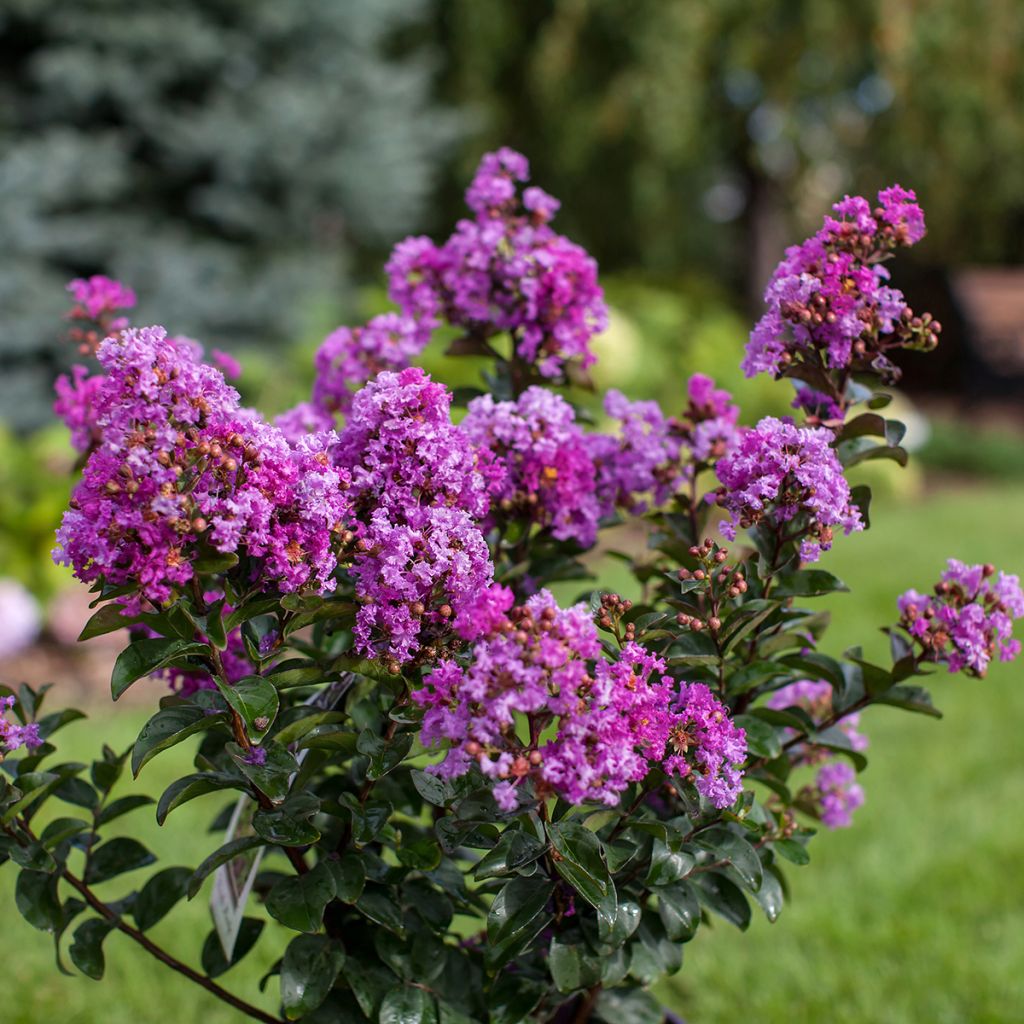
688,133
226,157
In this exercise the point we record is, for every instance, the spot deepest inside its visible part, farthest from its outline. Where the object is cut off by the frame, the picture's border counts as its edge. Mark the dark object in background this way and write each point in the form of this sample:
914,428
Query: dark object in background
229,160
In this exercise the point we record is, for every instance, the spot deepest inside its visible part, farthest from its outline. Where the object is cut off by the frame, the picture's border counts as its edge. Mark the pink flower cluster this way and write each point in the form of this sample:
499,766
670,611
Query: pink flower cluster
836,791
418,487
505,270
351,356
541,467
97,300
12,735
708,425
969,618
829,303
787,475
180,465
638,464
539,673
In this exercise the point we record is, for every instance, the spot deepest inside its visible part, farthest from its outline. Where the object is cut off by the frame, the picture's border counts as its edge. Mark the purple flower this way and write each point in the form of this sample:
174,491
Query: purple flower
13,735
641,462
179,464
302,419
609,723
968,620
505,270
838,794
828,301
541,467
708,426
226,363
350,356
787,475
97,300
75,405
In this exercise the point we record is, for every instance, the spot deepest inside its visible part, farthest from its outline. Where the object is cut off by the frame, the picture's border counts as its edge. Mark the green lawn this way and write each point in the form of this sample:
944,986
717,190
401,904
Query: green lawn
915,915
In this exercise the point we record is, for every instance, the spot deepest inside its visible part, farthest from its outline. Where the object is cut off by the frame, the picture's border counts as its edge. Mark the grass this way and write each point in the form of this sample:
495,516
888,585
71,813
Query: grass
914,915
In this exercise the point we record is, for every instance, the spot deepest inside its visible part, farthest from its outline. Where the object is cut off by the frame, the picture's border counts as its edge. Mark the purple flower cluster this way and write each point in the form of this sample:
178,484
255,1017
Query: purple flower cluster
76,405
640,462
97,300
829,303
351,356
968,620
12,735
179,466
610,723
787,474
505,270
418,487
541,468
708,425
836,791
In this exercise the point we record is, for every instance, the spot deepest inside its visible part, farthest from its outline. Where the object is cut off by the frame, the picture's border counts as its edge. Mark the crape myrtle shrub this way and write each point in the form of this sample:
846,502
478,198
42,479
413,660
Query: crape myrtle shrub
237,156
475,804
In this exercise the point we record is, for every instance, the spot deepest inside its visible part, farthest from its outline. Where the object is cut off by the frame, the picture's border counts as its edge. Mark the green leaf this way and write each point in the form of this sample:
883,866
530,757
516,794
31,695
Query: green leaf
724,898
376,903
615,924
744,621
144,657
116,857
910,698
123,805
628,1006
33,786
807,583
299,902
187,788
61,829
213,960
220,856
86,949
794,852
35,895
309,969
421,853
652,953
408,1005
516,917
159,895
668,865
213,562
679,910
515,849
106,619
434,790
349,877
384,755
770,896
289,825
513,998
168,727
728,846
762,738
255,700
580,861
835,739
572,967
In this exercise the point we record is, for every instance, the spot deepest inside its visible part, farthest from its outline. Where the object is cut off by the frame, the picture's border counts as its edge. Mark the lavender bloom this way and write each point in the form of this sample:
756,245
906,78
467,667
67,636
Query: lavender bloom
838,794
610,723
178,461
828,301
781,472
968,620
505,270
12,735
541,467
75,405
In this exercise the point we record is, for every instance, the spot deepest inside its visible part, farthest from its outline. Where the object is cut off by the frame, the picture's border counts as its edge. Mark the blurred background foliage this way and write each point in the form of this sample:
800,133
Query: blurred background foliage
246,166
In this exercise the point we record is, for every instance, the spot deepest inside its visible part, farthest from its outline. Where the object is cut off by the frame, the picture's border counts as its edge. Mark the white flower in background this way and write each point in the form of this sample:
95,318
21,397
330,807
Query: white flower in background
19,618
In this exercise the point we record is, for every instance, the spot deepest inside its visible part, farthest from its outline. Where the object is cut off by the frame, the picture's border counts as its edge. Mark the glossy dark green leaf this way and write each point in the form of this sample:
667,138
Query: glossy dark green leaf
517,916
49,724
763,739
910,698
515,849
144,657
256,701
273,777
724,898
679,910
121,806
384,755
187,788
794,852
421,853
168,727
289,824
628,1006
807,583
580,861
512,998
298,902
770,896
308,971
213,959
116,857
86,950
572,967
652,952
220,856
61,829
35,895
667,865
349,877
728,846
106,619
377,904
408,1005
159,895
